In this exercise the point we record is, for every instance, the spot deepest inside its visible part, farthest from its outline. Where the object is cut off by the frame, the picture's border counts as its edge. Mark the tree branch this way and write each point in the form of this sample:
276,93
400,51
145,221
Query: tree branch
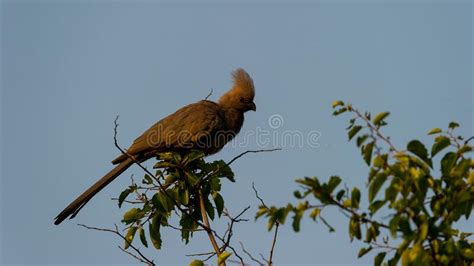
206,222
142,258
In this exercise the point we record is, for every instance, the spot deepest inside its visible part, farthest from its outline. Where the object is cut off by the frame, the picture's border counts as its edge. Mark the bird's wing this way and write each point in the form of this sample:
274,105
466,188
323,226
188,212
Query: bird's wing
180,130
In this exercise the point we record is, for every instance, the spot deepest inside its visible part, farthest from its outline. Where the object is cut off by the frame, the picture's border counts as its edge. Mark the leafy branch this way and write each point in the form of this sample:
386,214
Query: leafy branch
184,186
423,206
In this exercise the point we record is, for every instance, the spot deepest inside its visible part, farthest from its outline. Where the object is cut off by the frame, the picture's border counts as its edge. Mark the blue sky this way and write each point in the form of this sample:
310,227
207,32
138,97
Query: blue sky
69,67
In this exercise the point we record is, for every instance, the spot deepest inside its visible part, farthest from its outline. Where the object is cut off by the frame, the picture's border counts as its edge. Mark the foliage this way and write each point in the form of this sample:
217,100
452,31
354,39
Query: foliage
422,204
185,186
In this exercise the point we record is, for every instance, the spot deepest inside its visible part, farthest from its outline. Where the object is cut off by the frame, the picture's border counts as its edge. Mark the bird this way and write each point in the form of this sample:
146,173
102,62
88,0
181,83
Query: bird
204,126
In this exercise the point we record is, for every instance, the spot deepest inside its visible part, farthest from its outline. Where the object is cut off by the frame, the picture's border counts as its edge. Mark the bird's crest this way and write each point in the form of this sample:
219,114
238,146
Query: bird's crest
243,82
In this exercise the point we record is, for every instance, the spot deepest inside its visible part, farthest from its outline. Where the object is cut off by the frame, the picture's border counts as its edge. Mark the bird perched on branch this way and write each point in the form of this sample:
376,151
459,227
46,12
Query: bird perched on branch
206,126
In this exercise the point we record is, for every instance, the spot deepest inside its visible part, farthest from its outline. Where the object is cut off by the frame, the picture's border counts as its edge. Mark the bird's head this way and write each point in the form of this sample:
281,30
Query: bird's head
241,95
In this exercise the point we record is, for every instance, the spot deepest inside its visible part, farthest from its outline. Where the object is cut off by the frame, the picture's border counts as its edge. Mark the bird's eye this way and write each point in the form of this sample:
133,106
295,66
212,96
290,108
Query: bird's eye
241,99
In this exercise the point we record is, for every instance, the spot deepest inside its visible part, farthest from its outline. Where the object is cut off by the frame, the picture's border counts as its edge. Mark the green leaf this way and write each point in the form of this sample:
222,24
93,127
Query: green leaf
393,225
361,139
171,178
276,215
314,213
372,233
193,156
394,260
297,194
423,231
379,258
340,111
364,251
334,181
447,163
441,142
355,198
391,193
192,178
453,125
354,131
147,180
219,201
351,123
223,257
163,164
367,152
129,236
281,214
141,232
297,220
462,168
404,225
215,183
188,225
354,229
162,202
375,185
340,194
435,131
183,194
468,253
196,263
376,205
132,215
209,208
155,234
123,196
417,148
379,117
223,170
337,103
261,211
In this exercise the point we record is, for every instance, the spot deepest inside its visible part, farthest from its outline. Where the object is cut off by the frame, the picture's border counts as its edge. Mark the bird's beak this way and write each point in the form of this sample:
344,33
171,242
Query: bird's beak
252,106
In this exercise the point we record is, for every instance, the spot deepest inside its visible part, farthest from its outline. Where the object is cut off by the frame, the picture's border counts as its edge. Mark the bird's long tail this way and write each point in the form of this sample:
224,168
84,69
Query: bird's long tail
75,206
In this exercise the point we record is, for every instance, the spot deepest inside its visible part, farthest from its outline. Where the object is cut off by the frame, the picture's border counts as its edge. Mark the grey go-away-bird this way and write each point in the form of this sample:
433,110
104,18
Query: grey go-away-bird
205,126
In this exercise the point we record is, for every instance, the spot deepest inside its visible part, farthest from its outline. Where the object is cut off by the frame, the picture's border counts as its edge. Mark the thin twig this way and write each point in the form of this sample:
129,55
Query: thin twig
133,255
183,229
257,196
201,254
375,129
467,140
355,214
250,255
229,231
209,95
251,151
270,259
263,258
128,201
142,257
277,225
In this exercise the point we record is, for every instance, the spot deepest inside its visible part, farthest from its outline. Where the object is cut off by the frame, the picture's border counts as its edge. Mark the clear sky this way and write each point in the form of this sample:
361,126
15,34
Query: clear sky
69,67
